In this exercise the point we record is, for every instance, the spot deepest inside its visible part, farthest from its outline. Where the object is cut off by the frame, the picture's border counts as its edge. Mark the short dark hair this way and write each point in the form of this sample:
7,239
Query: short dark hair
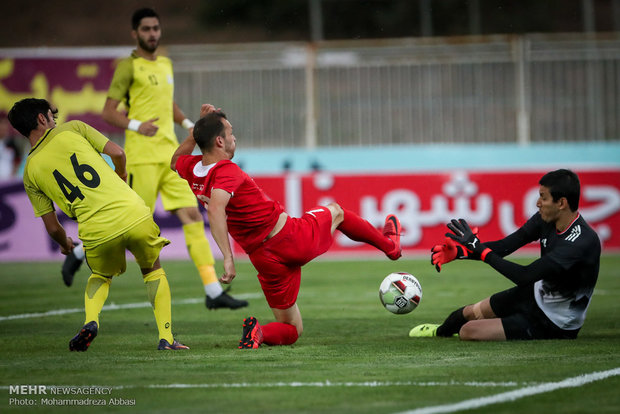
140,14
563,183
208,128
23,115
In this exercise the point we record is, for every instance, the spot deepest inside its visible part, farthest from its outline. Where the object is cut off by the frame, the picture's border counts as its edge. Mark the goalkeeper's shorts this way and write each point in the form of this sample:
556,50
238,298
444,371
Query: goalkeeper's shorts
521,317
142,240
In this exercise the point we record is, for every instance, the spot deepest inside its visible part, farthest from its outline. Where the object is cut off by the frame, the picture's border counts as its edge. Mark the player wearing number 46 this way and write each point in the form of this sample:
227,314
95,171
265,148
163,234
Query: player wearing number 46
552,293
65,167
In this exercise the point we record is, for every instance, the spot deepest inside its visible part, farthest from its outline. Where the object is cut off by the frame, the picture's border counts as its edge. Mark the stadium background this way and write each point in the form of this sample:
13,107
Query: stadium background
399,106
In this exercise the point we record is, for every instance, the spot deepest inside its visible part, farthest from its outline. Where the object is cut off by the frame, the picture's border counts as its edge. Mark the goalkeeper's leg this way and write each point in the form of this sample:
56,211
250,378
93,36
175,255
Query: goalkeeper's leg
453,323
450,327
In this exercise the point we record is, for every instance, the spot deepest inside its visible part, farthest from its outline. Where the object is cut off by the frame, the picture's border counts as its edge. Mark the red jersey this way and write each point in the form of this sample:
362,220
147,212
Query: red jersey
250,213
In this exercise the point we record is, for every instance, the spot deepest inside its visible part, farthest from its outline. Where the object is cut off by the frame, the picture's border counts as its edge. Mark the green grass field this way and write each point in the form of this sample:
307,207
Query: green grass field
354,356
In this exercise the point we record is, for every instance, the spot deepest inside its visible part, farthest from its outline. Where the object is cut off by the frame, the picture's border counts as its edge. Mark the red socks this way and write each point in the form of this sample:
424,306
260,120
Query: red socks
358,229
277,333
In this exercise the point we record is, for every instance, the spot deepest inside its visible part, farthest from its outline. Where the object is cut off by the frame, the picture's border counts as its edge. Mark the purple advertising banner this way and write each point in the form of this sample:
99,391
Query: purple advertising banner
74,80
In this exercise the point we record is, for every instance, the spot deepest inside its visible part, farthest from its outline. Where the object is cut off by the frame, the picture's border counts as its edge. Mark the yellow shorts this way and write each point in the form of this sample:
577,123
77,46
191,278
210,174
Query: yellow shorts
142,240
148,180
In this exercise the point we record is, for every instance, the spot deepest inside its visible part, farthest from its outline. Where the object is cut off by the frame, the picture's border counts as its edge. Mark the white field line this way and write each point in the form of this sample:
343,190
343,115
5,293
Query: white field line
113,306
317,384
530,389
516,394
327,383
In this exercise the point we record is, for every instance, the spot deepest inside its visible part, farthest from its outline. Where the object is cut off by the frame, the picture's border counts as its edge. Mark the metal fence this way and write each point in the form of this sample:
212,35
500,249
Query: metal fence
491,89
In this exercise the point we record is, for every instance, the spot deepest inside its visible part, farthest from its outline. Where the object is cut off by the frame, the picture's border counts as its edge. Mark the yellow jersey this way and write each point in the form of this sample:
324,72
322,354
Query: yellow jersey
66,167
146,87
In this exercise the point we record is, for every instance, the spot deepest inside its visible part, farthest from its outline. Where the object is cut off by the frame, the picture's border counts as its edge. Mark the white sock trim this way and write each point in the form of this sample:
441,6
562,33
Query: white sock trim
213,290
78,251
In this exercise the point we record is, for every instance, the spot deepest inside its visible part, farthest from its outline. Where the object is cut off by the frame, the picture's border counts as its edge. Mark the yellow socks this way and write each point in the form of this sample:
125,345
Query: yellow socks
158,291
197,244
96,293
200,252
207,274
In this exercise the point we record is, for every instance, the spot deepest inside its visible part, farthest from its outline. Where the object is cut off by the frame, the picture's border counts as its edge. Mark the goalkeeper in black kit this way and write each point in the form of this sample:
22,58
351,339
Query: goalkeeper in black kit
552,293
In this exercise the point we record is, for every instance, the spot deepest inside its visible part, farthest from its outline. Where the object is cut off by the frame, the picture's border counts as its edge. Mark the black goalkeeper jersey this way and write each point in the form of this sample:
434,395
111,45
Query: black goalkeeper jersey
565,275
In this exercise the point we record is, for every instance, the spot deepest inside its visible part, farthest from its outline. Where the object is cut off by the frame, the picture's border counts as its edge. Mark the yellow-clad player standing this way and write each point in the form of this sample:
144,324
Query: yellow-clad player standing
144,83
65,167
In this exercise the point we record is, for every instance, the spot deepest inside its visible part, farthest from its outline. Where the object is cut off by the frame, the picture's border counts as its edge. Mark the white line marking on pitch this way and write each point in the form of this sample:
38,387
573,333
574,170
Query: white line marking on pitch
317,384
516,394
448,408
113,306
321,384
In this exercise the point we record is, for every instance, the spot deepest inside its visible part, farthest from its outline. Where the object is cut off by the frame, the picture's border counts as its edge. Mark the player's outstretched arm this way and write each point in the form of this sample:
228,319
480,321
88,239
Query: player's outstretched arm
216,210
528,274
518,274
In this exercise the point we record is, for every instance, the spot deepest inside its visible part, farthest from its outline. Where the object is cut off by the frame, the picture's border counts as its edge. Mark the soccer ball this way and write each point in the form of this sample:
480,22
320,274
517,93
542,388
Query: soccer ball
400,292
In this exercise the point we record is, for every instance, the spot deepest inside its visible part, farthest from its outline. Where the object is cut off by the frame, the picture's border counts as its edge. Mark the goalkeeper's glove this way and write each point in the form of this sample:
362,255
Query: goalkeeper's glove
447,252
468,238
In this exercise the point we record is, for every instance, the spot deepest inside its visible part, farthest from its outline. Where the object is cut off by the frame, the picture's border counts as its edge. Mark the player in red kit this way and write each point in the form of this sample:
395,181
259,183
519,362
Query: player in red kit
278,245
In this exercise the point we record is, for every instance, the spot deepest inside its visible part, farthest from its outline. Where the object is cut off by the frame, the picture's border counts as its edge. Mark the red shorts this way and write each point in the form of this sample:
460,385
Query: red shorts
279,259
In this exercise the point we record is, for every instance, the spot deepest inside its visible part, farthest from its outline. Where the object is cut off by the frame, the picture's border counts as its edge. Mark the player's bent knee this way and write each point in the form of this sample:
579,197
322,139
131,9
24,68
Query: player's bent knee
477,310
194,214
337,213
468,332
188,215
290,316
468,312
299,326
473,331
483,330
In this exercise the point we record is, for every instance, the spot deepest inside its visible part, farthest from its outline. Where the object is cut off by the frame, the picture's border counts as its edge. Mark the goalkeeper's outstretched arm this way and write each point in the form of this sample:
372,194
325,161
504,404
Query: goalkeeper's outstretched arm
524,275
